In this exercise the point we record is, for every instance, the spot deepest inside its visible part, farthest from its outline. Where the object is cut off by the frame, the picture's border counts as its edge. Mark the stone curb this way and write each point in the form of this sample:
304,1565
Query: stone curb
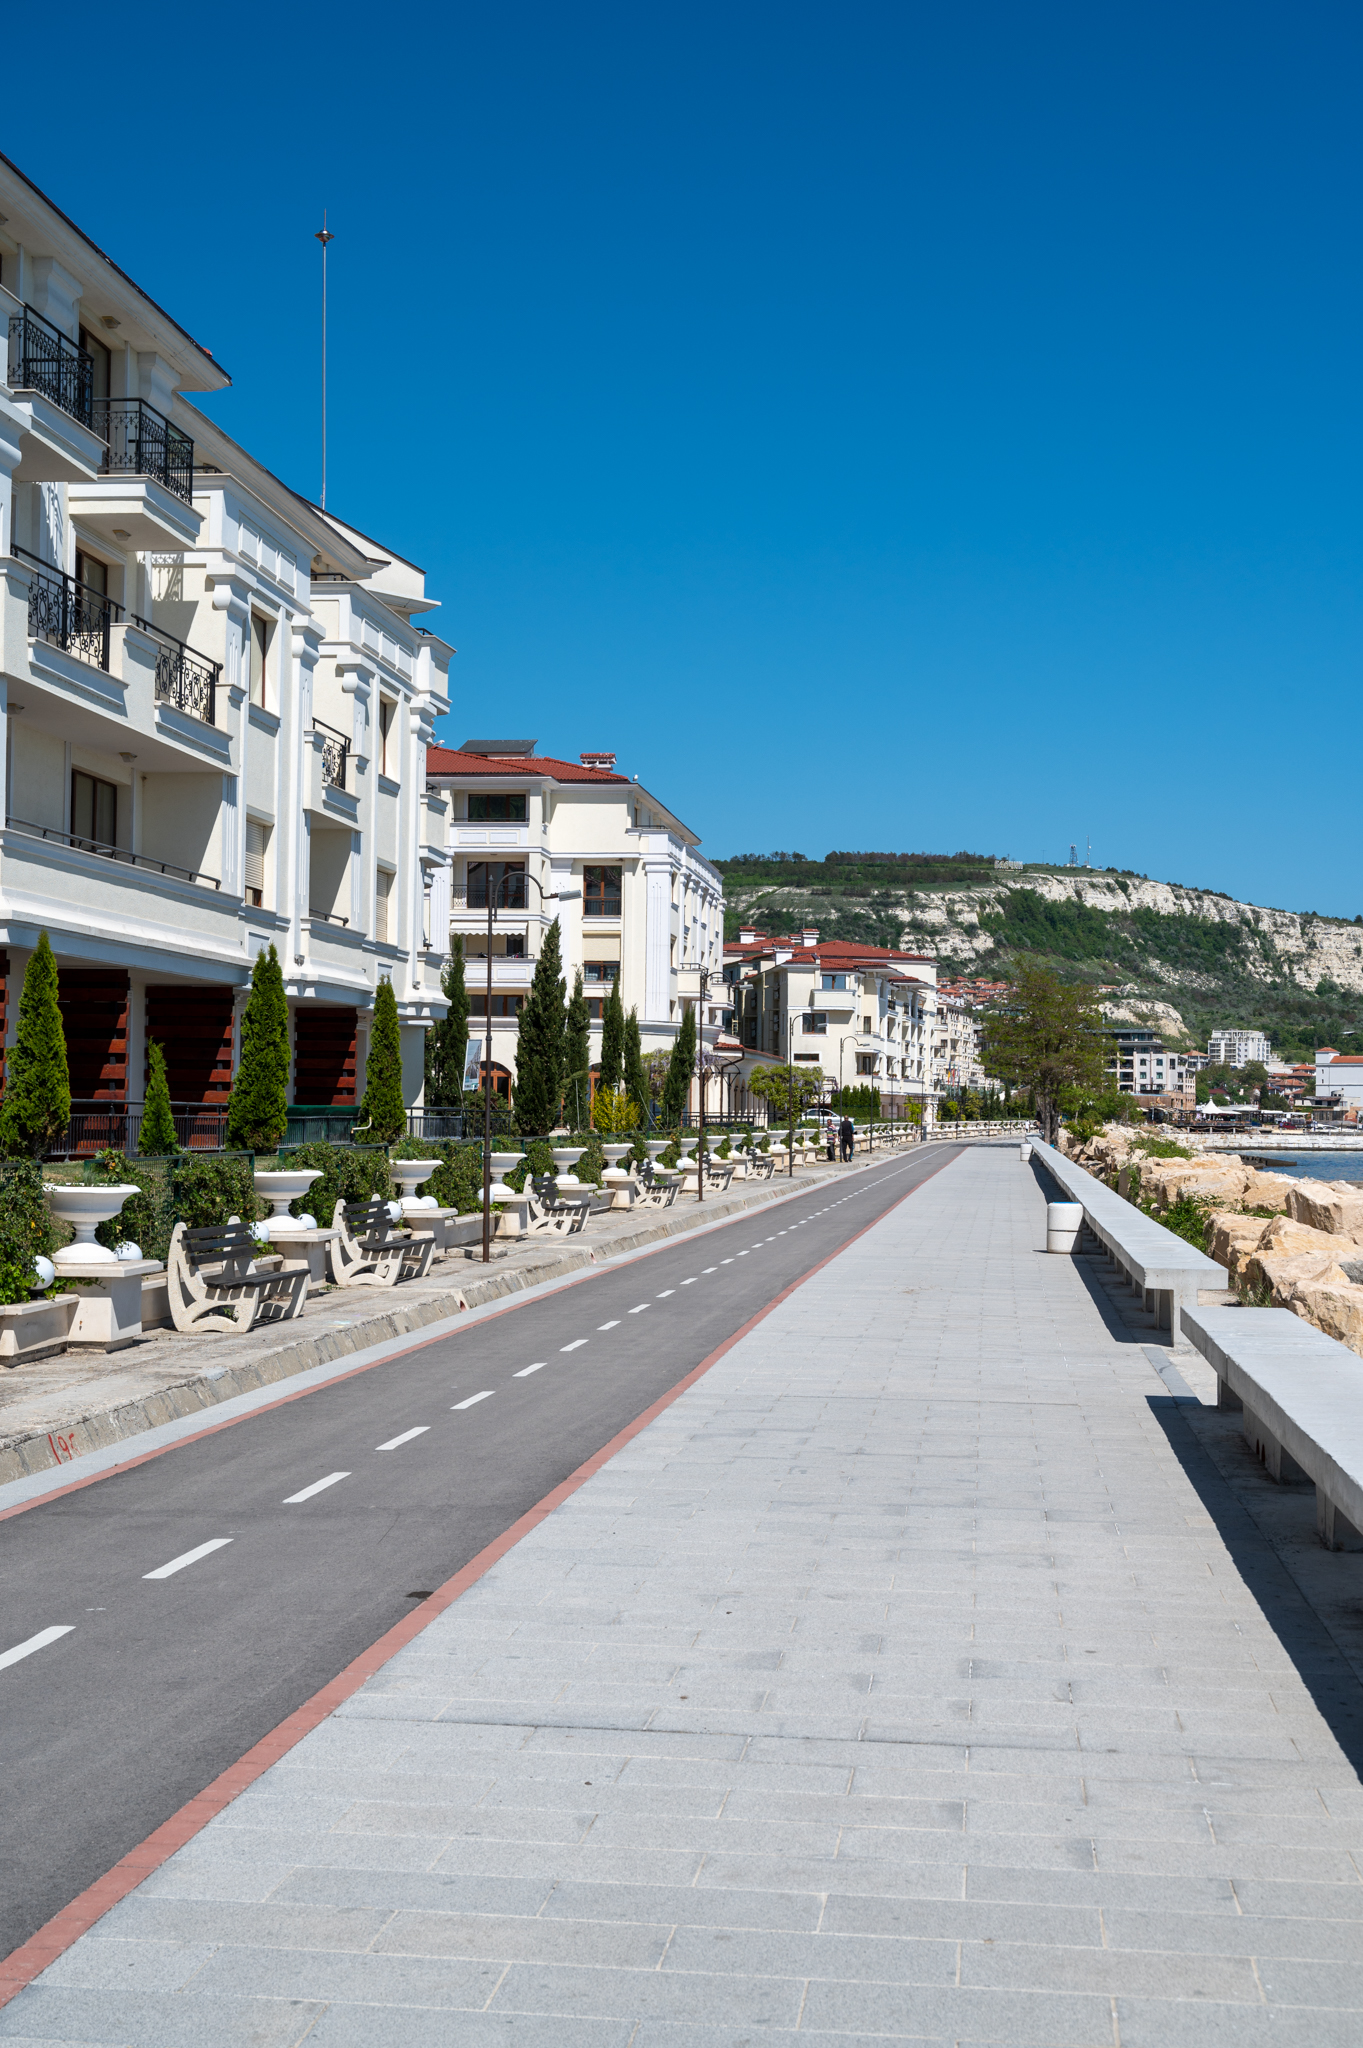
23,1455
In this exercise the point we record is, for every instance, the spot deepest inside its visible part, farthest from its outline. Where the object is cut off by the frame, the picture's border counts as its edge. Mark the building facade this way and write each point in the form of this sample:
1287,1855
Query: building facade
1235,1048
636,901
217,702
864,1015
957,1061
1142,1065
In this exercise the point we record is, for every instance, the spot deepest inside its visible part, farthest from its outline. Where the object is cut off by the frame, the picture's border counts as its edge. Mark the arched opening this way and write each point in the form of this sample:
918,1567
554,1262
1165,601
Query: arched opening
501,1079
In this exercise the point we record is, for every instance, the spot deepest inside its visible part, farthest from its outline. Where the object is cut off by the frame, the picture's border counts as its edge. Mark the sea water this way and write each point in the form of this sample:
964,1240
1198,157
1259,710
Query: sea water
1317,1165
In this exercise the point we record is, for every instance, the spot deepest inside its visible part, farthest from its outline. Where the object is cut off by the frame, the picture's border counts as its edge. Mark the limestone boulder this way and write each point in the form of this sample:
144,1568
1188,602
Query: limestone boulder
1332,1206
1333,1307
1222,1181
1281,1241
1284,1272
1232,1237
1268,1190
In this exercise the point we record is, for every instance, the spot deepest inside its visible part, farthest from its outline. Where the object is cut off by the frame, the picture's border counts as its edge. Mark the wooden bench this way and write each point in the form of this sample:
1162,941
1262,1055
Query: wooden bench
549,1210
1301,1397
211,1282
367,1250
654,1193
761,1165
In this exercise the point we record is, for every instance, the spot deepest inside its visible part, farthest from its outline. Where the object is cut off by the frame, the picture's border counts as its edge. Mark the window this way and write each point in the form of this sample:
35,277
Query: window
600,970
504,880
814,1023
600,892
388,756
99,360
833,981
94,811
260,650
867,1024
866,1063
93,573
515,945
383,891
257,841
502,1006
487,809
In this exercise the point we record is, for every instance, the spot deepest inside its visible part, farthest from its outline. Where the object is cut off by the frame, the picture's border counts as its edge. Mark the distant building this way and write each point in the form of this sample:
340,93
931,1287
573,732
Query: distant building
1145,1067
1339,1080
1236,1048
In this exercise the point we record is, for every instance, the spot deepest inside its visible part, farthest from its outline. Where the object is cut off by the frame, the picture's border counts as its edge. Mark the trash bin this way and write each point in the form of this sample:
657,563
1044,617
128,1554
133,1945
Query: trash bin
1024,1151
1064,1221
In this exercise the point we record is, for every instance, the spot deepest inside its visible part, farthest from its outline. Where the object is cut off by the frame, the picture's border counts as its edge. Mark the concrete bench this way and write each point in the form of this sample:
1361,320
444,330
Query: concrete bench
1167,1272
1301,1394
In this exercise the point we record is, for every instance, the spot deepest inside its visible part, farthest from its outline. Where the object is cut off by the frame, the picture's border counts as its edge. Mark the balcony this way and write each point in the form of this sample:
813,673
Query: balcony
68,614
142,442
119,854
42,359
185,679
335,753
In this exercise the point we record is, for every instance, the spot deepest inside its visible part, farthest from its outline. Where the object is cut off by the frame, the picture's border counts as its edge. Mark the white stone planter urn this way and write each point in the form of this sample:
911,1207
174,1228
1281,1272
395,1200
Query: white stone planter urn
85,1208
409,1174
655,1147
503,1162
280,1189
565,1158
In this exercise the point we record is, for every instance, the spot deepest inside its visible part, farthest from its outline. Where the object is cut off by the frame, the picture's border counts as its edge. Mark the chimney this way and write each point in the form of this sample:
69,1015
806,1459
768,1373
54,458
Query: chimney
811,938
747,935
604,761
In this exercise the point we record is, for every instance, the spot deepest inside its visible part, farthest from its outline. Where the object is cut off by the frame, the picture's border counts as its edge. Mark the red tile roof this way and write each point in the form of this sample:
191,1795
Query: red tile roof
448,761
828,951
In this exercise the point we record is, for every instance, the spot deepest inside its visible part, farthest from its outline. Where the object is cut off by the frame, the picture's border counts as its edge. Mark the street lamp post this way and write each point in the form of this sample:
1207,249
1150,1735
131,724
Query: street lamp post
492,893
700,1081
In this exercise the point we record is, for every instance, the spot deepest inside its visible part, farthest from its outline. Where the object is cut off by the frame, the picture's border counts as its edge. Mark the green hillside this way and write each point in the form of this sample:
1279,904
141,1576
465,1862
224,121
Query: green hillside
1297,976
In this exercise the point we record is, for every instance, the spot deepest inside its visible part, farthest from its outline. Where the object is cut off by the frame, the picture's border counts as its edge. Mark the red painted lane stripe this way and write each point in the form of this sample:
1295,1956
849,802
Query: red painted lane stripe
66,1927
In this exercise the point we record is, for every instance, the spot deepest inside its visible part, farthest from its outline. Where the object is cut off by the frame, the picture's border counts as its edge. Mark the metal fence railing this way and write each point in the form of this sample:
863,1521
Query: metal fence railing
116,1126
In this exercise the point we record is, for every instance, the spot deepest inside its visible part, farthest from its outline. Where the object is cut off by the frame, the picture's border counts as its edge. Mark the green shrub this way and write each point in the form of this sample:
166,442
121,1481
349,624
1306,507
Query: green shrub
26,1227
157,1135
194,1188
349,1173
383,1114
592,1164
258,1112
1186,1218
1160,1148
414,1148
37,1102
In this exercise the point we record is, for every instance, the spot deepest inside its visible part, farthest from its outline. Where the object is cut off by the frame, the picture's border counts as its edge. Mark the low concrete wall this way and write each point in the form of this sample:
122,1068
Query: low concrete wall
1168,1273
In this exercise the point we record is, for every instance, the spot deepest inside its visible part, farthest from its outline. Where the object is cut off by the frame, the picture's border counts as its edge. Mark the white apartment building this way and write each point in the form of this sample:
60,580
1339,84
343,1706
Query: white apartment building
216,707
956,1047
635,899
863,1014
1231,1048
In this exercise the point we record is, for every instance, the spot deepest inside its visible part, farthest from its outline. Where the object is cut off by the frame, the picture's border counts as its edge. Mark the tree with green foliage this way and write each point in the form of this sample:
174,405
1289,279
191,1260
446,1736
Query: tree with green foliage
383,1113
36,1108
539,1041
612,1039
636,1074
447,1041
615,1113
1049,1037
258,1112
156,1137
787,1091
681,1066
577,1056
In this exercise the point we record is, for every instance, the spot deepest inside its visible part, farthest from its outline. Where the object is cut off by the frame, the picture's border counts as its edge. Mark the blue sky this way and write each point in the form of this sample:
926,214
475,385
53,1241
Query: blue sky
884,426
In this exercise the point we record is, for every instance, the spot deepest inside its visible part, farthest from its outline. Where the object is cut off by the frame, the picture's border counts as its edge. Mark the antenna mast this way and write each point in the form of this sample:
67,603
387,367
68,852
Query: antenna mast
324,236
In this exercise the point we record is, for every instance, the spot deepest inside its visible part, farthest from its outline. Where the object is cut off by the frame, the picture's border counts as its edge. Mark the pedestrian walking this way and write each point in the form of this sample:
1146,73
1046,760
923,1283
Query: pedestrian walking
847,1132
830,1132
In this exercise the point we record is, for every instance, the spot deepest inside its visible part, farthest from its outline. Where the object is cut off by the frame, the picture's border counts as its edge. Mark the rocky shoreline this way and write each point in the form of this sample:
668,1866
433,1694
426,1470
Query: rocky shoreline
1285,1243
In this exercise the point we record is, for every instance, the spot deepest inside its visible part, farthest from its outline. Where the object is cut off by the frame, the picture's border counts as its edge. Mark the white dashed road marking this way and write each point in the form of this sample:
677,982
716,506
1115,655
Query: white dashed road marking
609,1326
526,1371
318,1486
472,1402
38,1642
177,1564
406,1437
576,1344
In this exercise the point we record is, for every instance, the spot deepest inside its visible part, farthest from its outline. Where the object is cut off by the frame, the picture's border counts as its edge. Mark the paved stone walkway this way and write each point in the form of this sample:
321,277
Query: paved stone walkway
912,1678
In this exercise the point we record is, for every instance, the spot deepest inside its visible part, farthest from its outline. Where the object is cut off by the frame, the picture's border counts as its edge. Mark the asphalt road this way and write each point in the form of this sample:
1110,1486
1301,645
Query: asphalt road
298,1536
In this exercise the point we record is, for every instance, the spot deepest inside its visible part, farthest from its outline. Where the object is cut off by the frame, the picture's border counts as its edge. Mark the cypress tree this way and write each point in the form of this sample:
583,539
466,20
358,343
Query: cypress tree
383,1111
447,1042
539,1041
258,1112
36,1107
612,1038
157,1136
636,1073
577,1056
677,1086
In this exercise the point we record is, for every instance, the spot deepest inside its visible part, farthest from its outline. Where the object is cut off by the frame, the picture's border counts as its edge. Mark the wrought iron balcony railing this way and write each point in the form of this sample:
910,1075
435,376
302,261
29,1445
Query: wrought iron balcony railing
183,678
82,843
42,359
142,442
67,613
335,753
